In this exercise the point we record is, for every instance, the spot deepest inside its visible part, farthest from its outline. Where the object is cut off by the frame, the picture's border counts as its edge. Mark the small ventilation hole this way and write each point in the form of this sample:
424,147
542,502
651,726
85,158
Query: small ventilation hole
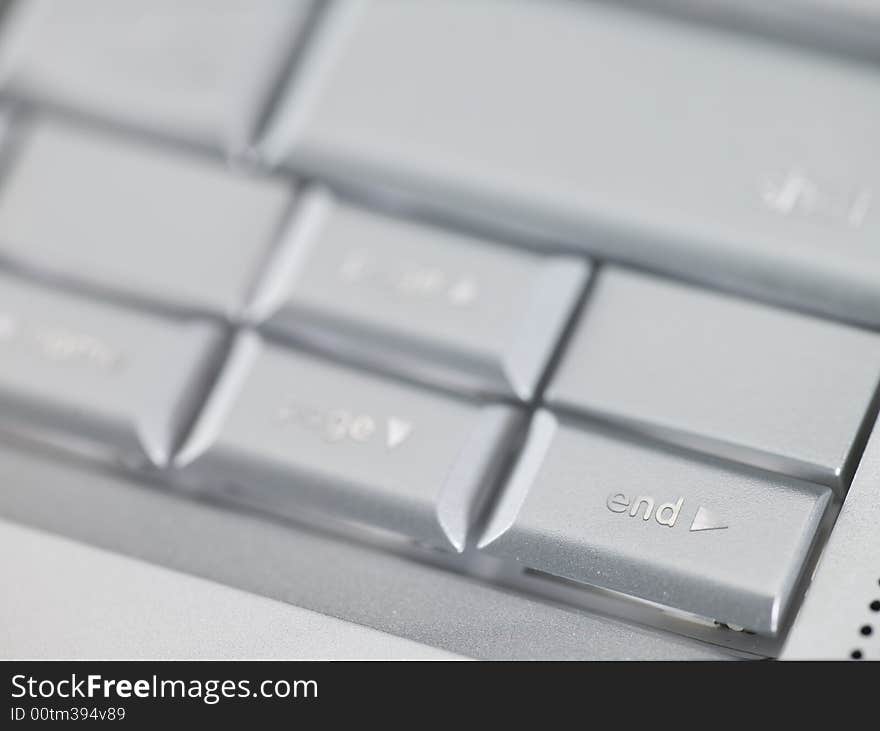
856,654
866,630
875,605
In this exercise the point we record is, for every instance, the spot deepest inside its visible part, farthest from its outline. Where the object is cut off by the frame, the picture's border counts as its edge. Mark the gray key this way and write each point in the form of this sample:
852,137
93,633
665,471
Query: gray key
122,217
775,389
719,157
411,298
698,537
200,69
81,373
286,429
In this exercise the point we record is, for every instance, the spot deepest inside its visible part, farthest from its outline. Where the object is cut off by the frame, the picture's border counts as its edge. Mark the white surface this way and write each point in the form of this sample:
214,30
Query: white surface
62,599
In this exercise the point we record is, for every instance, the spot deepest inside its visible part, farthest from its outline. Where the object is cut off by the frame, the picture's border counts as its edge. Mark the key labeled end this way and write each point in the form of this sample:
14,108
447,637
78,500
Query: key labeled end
710,540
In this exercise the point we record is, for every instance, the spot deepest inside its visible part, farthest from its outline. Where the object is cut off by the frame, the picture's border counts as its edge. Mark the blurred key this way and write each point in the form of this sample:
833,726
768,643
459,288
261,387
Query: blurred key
200,69
284,427
775,389
90,372
710,540
699,152
118,216
417,299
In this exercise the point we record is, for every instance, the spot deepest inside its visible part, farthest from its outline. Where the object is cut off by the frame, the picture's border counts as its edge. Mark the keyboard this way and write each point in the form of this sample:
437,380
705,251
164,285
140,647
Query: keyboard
577,299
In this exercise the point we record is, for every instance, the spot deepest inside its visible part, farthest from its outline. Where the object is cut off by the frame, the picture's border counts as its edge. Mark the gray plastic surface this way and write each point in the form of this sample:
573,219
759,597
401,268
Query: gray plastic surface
76,602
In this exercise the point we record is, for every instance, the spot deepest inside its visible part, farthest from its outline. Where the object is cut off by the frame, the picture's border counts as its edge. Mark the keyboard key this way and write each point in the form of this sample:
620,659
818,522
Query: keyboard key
411,298
94,374
120,217
755,168
285,428
703,538
775,389
200,69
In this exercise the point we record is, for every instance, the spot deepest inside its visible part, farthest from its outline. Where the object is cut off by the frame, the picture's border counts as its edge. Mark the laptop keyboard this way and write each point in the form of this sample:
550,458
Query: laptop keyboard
553,288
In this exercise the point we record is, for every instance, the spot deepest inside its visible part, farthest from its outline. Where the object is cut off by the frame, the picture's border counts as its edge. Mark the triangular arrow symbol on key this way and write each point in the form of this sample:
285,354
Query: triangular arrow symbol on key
398,431
707,520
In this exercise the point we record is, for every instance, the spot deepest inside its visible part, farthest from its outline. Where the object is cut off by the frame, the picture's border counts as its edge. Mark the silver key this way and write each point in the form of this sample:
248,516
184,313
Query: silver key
284,428
410,298
775,389
699,537
127,218
722,158
82,372
199,69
